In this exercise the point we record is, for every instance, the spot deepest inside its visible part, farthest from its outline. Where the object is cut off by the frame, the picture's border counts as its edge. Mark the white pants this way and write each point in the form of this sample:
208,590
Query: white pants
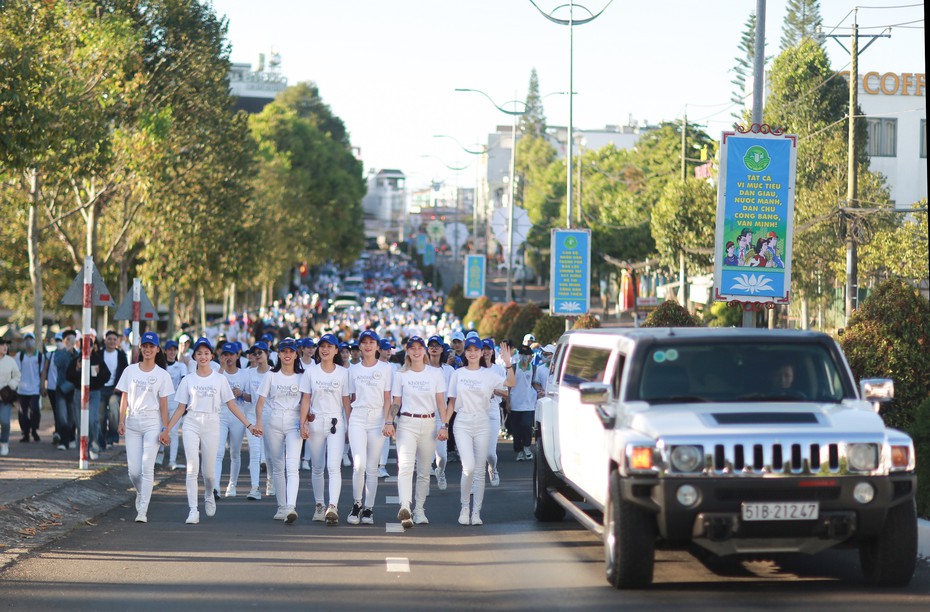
231,430
442,450
471,438
416,443
385,451
201,435
141,447
366,442
281,431
326,451
494,423
173,434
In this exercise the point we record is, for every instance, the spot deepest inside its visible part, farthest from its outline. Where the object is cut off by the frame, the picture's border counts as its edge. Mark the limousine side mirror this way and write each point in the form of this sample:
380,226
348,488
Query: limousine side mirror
877,390
599,395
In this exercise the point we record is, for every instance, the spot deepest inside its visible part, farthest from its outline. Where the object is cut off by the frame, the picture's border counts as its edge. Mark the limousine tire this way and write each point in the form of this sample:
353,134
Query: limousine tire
629,541
545,509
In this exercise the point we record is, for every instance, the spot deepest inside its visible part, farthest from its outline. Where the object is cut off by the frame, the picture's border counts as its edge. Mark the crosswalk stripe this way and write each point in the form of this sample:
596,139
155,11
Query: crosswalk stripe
397,564
393,528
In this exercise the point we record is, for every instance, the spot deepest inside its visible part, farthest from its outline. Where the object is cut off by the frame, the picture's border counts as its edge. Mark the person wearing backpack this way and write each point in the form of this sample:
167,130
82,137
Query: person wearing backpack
9,382
31,387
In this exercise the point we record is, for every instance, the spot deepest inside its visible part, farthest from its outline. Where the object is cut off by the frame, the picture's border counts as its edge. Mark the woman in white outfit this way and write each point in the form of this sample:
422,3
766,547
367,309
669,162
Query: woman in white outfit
278,407
176,370
469,392
322,417
434,350
231,430
370,408
385,356
418,394
201,396
143,412
494,413
306,349
257,370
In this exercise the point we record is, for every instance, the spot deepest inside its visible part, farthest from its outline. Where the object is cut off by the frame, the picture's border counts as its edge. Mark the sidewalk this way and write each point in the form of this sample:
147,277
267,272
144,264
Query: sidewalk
43,494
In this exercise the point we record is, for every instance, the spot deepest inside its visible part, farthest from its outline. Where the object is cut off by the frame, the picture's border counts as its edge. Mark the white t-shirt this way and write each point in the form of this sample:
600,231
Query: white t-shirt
418,390
192,366
255,382
204,393
239,380
369,384
542,376
326,389
144,389
472,389
281,391
495,404
112,360
523,395
176,371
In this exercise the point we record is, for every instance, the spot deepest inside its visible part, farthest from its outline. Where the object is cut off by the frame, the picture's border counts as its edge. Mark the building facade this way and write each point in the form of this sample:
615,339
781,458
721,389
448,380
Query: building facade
384,205
254,89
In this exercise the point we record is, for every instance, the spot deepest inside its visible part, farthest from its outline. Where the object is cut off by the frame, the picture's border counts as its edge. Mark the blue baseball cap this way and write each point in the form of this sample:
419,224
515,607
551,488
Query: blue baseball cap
287,343
229,347
488,343
369,333
354,346
436,339
474,341
150,338
201,342
238,346
385,344
343,345
260,346
414,340
267,337
458,336
171,344
302,342
471,334
329,339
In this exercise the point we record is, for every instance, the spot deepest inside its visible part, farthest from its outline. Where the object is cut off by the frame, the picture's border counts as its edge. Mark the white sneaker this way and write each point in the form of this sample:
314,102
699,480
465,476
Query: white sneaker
521,456
403,515
319,513
527,454
141,518
419,517
441,480
495,477
61,447
355,516
305,465
193,518
382,472
92,454
210,506
254,494
231,490
269,488
368,517
463,516
281,514
291,515
476,518
332,516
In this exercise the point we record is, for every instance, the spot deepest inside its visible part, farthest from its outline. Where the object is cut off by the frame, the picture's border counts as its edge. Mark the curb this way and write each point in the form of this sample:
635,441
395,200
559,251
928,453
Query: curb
923,538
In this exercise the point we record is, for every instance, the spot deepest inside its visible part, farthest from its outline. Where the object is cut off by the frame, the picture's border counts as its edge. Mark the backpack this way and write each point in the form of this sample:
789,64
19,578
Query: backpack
22,355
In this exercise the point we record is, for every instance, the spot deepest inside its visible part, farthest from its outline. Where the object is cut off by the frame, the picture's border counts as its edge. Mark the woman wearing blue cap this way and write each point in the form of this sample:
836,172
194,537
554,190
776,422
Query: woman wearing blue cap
258,356
470,390
322,418
231,430
176,370
434,351
418,394
278,407
143,413
494,411
370,392
201,396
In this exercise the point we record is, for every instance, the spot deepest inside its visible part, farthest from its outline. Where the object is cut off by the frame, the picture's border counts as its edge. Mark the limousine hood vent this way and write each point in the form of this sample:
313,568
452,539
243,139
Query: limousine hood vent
765,418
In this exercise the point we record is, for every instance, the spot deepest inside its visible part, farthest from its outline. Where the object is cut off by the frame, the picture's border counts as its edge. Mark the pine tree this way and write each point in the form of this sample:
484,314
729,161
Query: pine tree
802,20
743,68
533,121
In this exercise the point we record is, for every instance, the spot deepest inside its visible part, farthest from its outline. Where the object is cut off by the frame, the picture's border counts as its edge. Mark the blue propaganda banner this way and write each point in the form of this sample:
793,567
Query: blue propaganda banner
474,276
421,243
429,255
570,273
755,213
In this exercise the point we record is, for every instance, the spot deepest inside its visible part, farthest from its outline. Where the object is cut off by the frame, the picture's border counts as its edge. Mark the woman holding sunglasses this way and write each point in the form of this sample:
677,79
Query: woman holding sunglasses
322,421
418,395
278,407
256,372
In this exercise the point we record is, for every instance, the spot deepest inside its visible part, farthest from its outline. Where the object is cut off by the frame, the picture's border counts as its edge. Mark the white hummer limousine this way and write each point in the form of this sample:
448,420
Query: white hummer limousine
740,441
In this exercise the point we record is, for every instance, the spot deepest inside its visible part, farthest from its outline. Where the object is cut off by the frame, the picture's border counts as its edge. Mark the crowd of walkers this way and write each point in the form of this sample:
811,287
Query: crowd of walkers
307,387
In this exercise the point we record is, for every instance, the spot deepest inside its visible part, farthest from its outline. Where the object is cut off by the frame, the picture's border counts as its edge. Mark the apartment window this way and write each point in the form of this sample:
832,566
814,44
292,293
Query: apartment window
883,137
923,138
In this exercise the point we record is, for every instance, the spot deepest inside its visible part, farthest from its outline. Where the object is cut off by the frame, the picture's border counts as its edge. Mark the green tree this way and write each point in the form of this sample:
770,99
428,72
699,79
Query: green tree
743,69
683,222
533,120
898,249
524,322
671,314
802,19
476,312
549,329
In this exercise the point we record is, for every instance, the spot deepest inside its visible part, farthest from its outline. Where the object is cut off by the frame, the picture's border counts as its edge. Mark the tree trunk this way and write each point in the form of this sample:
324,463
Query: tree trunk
35,264
172,302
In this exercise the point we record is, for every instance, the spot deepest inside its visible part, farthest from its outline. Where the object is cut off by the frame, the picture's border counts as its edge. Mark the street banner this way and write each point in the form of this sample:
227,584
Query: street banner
474,276
429,255
570,273
421,243
755,216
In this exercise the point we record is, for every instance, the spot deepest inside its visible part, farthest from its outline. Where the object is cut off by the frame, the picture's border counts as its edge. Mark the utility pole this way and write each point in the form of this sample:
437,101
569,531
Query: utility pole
758,72
682,276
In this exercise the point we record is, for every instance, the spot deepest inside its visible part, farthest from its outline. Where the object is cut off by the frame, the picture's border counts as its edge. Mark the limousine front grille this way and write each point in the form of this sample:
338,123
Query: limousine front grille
787,458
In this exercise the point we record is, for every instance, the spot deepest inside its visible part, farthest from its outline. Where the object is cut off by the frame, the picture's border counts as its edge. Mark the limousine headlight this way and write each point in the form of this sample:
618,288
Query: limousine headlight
862,457
687,458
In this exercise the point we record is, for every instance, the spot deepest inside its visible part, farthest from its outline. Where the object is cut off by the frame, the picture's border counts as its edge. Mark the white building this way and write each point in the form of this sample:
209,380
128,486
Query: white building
383,207
256,88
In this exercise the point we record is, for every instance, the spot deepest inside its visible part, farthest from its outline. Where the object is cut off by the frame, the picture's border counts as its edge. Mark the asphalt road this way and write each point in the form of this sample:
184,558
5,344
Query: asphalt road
242,559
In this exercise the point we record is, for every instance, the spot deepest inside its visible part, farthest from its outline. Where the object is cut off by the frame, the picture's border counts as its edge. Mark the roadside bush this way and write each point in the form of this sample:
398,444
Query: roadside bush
488,323
548,329
889,337
722,315
456,302
508,316
524,322
476,311
920,431
586,321
671,314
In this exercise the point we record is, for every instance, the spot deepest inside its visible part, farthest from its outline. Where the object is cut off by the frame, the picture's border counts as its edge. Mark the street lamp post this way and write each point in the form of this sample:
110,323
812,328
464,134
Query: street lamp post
478,186
458,213
571,22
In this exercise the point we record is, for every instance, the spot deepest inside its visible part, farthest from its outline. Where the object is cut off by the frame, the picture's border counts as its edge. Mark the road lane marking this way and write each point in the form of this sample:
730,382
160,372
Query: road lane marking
393,528
397,564
392,499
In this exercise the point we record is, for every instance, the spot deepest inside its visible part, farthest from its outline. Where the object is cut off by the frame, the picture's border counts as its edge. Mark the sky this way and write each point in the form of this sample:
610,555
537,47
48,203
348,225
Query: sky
389,68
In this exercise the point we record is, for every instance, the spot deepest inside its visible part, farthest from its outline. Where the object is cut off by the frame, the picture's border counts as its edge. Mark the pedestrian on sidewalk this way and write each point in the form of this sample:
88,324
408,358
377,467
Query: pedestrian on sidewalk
116,361
279,409
64,390
470,390
326,397
143,414
9,382
201,396
32,361
370,407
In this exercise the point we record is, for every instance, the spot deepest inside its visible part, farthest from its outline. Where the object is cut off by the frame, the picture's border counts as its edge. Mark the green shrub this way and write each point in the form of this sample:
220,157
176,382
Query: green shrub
456,302
920,431
524,322
488,323
889,337
476,311
671,314
721,314
548,329
586,321
508,316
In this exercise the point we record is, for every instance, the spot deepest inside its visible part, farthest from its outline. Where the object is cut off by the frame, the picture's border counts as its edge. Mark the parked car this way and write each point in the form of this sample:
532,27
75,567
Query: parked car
738,441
